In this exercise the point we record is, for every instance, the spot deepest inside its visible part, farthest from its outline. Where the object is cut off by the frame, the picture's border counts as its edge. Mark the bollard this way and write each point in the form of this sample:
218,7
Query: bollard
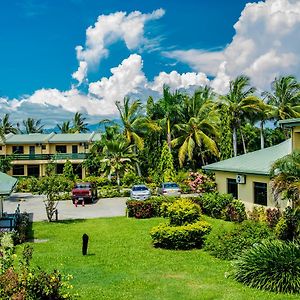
85,240
56,215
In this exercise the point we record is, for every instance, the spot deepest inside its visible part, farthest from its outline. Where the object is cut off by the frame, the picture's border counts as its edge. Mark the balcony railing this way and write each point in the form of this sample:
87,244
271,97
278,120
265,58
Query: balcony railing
58,156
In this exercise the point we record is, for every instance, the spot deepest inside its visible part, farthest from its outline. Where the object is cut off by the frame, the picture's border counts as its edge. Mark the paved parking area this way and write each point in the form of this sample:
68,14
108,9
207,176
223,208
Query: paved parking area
33,204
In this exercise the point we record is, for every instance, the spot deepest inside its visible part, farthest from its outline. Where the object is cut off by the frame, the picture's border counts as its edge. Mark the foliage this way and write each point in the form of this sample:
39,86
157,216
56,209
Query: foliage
235,211
32,126
273,216
110,192
140,209
285,178
288,226
182,212
165,165
180,237
5,163
225,144
68,171
22,227
272,266
258,214
228,244
27,185
201,183
130,178
18,280
98,181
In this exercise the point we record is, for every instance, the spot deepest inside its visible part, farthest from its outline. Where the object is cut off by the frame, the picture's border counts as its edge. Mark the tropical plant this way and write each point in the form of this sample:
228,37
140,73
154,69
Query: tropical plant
78,123
32,126
65,127
285,97
165,166
6,126
240,102
285,178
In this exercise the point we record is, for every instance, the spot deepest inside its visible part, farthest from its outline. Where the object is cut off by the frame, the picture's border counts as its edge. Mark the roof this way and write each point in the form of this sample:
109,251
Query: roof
290,122
257,162
7,184
44,138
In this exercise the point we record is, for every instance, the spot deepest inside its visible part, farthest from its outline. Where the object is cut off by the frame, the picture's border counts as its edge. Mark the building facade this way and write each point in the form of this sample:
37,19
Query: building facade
247,178
32,152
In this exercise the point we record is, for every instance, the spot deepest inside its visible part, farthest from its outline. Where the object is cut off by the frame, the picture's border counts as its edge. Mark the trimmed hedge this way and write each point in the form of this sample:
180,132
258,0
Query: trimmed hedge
180,237
272,266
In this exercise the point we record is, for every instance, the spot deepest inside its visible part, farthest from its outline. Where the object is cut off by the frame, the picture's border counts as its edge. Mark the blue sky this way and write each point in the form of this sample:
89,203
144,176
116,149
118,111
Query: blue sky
133,48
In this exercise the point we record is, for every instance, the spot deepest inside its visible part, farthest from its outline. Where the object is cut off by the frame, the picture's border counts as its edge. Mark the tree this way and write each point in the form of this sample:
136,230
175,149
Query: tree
78,123
225,144
117,157
32,126
240,102
68,171
65,127
165,165
6,126
284,97
5,163
285,178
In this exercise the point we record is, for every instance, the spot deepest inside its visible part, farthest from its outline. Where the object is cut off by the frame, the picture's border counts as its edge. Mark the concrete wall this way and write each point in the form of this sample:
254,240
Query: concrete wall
296,138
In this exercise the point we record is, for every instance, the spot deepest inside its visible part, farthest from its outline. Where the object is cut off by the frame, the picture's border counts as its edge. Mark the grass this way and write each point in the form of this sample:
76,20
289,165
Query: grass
122,264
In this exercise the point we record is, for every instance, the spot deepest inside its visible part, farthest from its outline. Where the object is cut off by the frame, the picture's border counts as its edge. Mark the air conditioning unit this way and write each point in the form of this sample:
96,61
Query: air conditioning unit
240,179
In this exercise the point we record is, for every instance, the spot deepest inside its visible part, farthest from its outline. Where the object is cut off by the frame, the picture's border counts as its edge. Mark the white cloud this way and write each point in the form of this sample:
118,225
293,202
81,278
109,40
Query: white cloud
265,45
177,81
107,30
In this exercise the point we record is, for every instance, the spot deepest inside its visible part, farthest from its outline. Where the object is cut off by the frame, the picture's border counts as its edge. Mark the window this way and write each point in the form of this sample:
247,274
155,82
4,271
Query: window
0,148
18,170
61,149
43,147
33,170
232,187
31,150
74,149
260,193
59,168
18,149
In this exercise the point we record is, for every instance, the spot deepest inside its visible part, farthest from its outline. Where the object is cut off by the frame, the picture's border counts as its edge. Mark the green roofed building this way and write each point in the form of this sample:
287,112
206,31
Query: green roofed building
246,177
32,152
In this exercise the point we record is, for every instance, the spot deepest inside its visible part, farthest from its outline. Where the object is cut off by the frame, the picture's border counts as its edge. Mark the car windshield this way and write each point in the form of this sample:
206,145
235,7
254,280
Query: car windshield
140,188
170,185
82,186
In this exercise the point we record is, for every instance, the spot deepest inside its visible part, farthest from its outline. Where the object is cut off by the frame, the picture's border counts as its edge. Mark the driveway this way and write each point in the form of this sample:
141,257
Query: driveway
33,204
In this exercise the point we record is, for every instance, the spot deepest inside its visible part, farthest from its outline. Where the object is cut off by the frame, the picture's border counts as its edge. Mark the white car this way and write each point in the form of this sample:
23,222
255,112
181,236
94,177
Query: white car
169,189
140,192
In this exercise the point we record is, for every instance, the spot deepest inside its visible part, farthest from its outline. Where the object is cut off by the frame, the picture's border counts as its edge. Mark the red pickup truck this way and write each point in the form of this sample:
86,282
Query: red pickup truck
84,192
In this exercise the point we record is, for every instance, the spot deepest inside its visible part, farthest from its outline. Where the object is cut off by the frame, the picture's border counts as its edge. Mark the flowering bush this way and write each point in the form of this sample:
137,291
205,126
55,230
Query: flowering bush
201,183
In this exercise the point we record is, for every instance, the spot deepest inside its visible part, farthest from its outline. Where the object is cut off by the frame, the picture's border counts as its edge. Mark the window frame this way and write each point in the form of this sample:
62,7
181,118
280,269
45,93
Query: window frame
264,193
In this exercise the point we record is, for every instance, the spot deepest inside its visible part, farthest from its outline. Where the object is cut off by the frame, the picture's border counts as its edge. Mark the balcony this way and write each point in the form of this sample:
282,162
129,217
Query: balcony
58,156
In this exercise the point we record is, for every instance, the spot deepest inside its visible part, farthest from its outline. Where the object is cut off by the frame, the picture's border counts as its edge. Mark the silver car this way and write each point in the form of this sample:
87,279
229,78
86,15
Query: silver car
140,192
169,189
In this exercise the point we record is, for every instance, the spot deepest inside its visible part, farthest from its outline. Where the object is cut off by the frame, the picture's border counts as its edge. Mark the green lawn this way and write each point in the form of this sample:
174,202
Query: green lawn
122,264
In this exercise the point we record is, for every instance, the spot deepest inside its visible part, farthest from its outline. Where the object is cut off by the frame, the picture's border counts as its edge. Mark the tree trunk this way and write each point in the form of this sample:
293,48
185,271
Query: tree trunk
118,179
243,141
262,139
137,165
234,141
168,134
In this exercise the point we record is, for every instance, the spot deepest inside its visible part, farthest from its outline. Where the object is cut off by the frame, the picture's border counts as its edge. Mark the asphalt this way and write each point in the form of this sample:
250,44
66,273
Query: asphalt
34,205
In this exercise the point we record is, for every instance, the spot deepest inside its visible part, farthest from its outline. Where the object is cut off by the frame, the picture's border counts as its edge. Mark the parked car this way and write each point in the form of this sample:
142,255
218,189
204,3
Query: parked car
84,192
169,189
140,192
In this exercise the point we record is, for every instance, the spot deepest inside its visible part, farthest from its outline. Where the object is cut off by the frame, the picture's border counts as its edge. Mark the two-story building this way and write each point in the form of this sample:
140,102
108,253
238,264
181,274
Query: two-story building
32,152
246,177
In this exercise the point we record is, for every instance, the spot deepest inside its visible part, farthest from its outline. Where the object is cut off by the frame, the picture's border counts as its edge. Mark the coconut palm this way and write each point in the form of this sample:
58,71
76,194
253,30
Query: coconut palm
240,102
78,123
118,156
32,126
285,97
285,178
198,131
65,127
6,126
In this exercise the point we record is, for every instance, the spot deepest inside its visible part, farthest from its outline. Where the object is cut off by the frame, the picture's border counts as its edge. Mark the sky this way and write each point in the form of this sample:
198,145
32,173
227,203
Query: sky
63,56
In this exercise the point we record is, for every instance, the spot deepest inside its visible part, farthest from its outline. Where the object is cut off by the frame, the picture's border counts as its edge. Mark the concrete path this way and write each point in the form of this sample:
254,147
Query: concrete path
33,204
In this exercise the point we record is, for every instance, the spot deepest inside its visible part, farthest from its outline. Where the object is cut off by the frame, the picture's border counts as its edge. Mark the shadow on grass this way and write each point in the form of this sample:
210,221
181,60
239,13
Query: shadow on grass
71,221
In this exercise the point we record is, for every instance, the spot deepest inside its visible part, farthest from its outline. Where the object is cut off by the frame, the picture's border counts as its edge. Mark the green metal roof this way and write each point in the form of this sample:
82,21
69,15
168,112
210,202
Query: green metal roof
7,184
257,162
42,138
290,122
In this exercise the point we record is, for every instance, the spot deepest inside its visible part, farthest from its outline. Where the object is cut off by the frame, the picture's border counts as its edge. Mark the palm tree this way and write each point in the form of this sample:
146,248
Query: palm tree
285,178
118,156
32,126
285,97
6,126
240,102
78,123
65,127
198,131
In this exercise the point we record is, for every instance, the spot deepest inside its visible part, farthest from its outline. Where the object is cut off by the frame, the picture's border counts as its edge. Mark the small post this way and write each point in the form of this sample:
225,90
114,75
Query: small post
85,240
56,215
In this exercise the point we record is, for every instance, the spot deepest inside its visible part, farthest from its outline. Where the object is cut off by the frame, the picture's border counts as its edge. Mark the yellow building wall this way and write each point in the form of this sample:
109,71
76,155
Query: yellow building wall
296,138
245,191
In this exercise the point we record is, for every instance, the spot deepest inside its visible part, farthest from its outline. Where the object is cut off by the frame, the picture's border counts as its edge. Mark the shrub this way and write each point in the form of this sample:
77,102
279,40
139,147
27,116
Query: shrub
98,181
140,209
273,216
183,212
130,178
229,244
109,192
28,185
22,228
235,211
258,214
288,227
201,183
180,237
272,266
